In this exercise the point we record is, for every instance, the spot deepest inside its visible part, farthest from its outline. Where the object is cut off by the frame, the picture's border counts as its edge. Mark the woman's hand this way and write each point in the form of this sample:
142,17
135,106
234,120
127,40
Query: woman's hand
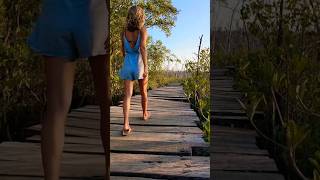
145,72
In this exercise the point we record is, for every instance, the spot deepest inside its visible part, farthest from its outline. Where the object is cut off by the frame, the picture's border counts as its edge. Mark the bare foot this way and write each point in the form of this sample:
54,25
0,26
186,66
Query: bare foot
146,116
126,131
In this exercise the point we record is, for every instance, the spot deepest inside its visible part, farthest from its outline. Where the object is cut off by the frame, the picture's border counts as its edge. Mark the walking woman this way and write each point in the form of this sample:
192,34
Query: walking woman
65,31
135,67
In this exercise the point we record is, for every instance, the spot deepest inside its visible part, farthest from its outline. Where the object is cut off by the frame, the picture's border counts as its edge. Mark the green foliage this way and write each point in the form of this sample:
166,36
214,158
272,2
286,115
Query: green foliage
316,163
296,134
22,89
282,78
197,88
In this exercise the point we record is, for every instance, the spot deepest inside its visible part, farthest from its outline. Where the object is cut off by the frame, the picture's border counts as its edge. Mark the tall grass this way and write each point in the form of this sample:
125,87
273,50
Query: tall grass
197,89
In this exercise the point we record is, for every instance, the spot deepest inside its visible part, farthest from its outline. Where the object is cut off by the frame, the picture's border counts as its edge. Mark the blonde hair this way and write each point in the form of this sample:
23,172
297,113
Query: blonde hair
135,18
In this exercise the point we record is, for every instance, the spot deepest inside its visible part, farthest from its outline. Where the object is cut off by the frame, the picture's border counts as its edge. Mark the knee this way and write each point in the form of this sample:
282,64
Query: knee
128,95
57,114
144,93
59,104
144,97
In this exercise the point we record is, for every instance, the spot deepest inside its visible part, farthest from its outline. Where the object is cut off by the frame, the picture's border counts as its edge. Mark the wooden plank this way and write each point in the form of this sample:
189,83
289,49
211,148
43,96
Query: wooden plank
137,136
158,108
235,162
116,110
157,116
151,147
160,129
18,177
129,146
129,178
88,165
236,131
237,149
22,177
230,118
92,121
229,175
85,131
162,166
231,112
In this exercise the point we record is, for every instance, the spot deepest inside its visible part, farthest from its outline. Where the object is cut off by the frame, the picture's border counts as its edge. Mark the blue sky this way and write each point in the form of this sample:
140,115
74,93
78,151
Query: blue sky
192,21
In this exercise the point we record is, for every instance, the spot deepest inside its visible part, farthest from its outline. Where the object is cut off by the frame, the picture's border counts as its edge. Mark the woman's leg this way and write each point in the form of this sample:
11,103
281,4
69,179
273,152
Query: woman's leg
101,78
60,78
143,85
128,87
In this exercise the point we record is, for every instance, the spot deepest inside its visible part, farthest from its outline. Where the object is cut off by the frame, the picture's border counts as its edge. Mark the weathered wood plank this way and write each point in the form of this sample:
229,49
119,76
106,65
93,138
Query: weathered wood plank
137,136
89,165
117,110
235,162
85,178
85,131
229,175
162,166
157,115
80,119
129,146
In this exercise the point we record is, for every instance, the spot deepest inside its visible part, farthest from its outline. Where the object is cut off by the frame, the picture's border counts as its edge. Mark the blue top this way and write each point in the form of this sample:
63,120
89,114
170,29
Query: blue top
132,68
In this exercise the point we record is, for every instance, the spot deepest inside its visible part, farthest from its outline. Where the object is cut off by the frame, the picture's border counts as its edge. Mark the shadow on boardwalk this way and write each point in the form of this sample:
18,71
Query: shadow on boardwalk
160,148
234,153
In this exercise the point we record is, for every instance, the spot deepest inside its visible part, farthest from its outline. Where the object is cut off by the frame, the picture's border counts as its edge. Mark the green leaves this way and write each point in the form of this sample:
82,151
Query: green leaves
197,88
316,163
296,133
282,75
160,13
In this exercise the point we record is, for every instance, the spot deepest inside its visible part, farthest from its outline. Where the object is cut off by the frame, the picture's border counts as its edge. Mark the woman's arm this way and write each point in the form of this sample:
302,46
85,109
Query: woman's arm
143,49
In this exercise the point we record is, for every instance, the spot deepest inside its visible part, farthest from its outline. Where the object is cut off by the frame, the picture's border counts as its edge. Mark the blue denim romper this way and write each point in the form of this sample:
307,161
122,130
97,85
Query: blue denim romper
132,68
71,29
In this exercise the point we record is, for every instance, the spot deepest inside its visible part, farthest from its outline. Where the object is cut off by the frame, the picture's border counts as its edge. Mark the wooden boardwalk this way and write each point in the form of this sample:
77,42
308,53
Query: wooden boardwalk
165,147
234,153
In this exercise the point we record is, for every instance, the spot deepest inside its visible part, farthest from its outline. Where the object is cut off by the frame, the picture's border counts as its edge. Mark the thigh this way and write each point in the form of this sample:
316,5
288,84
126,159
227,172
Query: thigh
143,84
60,78
128,87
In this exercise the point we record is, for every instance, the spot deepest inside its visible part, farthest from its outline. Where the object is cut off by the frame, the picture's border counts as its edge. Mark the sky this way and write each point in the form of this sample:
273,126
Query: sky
192,21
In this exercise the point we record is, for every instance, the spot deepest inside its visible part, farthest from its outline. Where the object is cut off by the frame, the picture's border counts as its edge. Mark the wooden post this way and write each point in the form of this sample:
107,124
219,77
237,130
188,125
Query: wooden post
199,54
196,93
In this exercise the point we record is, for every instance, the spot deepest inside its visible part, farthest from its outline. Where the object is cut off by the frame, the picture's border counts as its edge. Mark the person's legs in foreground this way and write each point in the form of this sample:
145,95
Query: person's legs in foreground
60,78
128,86
100,77
143,84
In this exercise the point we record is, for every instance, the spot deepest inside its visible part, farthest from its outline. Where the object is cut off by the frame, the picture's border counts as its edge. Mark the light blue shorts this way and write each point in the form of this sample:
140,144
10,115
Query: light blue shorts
71,29
132,68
